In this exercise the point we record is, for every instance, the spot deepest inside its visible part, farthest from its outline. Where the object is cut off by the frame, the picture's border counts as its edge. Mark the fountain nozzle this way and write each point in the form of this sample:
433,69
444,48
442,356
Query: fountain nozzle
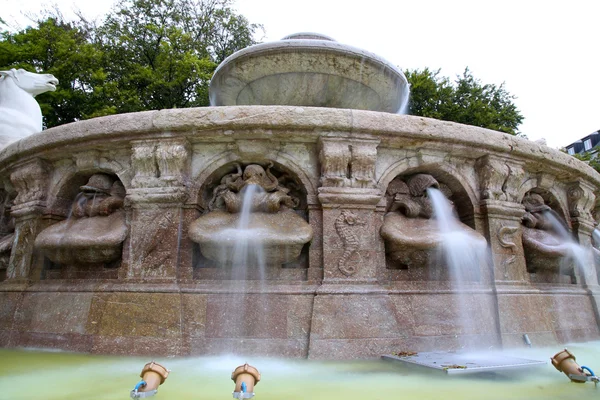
153,375
245,377
564,361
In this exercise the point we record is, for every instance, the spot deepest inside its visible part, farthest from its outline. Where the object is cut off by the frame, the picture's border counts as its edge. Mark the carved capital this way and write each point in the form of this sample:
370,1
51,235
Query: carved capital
499,178
160,163
581,200
30,181
348,162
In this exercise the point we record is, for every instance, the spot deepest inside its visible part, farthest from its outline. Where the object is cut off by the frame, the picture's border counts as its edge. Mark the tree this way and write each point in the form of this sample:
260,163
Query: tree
145,55
163,52
62,49
465,100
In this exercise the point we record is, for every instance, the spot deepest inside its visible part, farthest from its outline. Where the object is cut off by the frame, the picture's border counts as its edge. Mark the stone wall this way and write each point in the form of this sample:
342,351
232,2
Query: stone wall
340,299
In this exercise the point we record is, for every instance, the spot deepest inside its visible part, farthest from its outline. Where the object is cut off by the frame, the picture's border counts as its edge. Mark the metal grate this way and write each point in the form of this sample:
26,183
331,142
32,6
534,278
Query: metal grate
463,363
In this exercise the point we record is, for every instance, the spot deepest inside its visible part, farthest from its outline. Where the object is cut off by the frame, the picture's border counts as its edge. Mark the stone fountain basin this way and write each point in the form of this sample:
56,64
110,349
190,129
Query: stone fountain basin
96,240
282,235
416,241
309,72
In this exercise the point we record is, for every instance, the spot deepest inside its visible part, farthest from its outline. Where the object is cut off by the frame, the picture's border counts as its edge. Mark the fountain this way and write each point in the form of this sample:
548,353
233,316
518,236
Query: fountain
120,234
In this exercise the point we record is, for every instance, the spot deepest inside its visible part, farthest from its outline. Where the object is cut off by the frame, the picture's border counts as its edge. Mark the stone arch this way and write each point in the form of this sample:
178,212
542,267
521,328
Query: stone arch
465,196
217,167
64,190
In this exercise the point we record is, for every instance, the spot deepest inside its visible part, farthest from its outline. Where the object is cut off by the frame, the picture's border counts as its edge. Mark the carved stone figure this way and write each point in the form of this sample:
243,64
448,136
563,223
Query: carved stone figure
545,248
280,230
95,230
412,236
343,227
20,114
270,199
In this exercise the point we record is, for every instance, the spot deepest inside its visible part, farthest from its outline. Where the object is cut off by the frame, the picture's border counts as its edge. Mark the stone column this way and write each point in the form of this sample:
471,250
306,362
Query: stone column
30,180
499,180
352,313
156,200
352,246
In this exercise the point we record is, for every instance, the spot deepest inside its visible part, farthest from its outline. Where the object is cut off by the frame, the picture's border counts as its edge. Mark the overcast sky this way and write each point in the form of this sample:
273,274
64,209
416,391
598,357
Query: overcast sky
546,52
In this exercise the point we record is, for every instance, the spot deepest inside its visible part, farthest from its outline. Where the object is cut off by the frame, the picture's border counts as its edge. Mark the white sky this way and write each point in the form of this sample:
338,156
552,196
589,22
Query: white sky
546,52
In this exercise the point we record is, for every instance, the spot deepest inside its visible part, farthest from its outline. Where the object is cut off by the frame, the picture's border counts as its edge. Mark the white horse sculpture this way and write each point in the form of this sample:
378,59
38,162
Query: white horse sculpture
20,114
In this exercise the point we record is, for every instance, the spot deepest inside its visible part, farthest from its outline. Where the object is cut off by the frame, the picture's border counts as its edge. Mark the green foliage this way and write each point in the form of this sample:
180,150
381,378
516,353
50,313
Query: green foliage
61,49
145,55
465,100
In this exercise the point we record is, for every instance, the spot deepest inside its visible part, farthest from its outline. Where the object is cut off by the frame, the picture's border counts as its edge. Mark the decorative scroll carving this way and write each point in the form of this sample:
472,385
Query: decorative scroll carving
343,224
505,234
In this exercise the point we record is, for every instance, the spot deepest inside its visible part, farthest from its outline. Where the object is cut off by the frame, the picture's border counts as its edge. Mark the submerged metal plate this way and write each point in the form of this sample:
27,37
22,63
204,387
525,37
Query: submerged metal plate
463,363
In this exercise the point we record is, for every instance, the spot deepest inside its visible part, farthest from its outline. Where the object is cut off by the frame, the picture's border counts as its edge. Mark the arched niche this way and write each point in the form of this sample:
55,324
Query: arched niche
453,184
415,245
286,176
550,251
224,177
88,243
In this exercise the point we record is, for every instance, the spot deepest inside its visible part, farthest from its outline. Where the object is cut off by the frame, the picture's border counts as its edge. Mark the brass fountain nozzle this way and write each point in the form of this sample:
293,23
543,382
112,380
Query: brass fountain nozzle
245,378
564,361
153,375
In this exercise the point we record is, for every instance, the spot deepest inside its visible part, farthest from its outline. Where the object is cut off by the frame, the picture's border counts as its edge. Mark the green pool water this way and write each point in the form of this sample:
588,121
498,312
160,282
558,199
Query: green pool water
30,374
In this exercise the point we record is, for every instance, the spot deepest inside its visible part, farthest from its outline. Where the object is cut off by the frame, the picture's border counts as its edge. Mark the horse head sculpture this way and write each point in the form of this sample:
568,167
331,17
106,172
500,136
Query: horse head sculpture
20,114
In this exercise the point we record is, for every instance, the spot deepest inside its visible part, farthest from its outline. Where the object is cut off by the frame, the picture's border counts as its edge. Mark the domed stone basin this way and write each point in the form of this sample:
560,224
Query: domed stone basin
309,70
96,240
281,234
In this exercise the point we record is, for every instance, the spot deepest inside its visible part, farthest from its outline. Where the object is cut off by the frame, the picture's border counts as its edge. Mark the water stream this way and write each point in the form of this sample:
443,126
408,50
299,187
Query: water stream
462,256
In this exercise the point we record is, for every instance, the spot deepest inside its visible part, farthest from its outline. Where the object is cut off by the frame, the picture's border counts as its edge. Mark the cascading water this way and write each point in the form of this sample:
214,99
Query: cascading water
576,254
248,266
461,255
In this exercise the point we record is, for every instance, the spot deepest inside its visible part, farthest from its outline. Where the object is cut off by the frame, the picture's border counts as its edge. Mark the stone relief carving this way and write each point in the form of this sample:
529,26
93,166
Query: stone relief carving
20,260
20,114
31,181
498,179
7,232
581,200
95,230
544,246
411,234
348,163
505,238
271,216
344,225
272,197
159,164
